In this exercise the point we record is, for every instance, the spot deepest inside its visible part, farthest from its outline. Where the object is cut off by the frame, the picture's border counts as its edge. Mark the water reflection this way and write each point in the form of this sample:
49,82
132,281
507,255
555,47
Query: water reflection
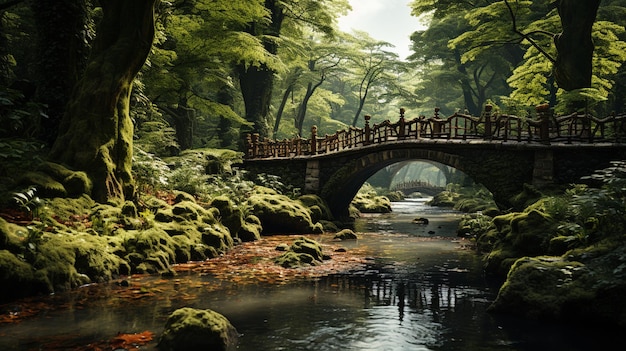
418,291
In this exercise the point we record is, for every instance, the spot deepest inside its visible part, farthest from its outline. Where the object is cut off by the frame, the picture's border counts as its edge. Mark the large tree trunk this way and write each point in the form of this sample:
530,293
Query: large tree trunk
257,82
573,66
96,133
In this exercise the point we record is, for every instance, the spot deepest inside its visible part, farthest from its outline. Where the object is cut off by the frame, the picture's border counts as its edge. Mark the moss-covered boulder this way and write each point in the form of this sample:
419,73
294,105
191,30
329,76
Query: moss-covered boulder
230,215
251,229
445,199
515,235
79,241
302,252
346,234
281,215
54,180
318,207
585,286
539,287
368,203
20,276
194,329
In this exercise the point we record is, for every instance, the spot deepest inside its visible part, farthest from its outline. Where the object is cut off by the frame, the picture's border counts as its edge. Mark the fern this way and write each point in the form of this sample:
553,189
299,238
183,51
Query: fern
28,201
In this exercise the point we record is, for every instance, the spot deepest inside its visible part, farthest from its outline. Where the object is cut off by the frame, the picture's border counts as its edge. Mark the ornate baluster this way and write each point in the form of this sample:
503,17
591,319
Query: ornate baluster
314,140
401,125
368,130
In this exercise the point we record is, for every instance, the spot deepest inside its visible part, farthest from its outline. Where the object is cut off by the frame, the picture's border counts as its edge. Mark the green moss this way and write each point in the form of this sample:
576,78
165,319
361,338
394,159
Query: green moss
230,215
318,207
46,185
150,251
251,229
346,234
302,252
74,183
20,276
193,329
542,287
279,214
371,203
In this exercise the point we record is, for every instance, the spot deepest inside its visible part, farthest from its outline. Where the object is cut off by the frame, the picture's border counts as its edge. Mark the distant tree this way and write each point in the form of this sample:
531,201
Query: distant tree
373,67
257,79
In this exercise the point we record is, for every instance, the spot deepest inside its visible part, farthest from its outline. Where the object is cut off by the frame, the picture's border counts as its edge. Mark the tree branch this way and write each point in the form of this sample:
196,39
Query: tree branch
527,35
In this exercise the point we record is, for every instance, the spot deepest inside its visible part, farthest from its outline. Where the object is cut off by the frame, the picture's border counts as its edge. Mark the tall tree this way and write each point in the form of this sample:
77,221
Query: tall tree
256,79
573,65
373,67
96,133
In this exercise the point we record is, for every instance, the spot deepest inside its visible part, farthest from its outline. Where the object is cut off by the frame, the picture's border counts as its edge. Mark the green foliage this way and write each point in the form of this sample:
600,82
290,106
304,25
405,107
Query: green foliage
149,171
275,183
158,138
28,201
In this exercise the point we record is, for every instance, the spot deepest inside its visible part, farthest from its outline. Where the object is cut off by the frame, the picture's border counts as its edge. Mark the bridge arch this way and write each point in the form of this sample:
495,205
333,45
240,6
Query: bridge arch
343,182
406,172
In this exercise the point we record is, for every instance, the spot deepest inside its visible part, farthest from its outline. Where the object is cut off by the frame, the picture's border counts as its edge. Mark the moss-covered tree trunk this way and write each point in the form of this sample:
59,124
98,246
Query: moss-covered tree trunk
96,132
573,66
257,82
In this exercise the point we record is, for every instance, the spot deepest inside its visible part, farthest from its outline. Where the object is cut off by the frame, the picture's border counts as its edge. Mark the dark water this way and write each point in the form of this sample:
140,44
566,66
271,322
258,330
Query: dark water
420,290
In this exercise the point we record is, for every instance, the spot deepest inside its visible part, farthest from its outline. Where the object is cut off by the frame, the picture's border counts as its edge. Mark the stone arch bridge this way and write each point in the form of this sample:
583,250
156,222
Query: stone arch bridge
501,152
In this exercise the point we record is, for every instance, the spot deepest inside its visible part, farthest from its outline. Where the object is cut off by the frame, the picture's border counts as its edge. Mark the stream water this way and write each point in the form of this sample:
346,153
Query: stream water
419,290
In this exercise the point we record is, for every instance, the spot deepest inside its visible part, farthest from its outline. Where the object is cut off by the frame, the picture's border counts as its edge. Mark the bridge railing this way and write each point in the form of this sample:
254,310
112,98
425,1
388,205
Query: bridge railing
580,128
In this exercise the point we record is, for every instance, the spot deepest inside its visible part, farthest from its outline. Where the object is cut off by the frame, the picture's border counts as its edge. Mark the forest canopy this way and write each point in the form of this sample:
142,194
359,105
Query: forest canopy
168,76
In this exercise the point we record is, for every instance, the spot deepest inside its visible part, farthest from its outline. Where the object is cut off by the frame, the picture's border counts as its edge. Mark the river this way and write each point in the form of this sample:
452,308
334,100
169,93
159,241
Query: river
419,288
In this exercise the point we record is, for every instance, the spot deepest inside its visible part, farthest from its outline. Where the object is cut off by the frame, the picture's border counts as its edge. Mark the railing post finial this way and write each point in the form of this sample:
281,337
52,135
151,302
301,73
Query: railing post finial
437,109
314,140
543,111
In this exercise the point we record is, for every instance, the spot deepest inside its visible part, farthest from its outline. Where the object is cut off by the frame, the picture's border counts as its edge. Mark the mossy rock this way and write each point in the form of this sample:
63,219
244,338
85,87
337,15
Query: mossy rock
250,230
543,287
302,252
183,196
346,234
499,261
193,329
217,237
129,209
47,186
189,210
371,204
4,233
395,196
20,277
55,180
445,199
329,226
55,260
318,207
230,215
154,246
279,214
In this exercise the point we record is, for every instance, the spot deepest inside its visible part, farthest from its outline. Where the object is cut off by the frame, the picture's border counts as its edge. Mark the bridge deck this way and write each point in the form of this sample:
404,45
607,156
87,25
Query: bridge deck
579,130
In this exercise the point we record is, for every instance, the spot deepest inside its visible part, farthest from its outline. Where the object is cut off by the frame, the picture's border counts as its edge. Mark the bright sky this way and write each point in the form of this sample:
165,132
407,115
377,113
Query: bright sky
387,20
